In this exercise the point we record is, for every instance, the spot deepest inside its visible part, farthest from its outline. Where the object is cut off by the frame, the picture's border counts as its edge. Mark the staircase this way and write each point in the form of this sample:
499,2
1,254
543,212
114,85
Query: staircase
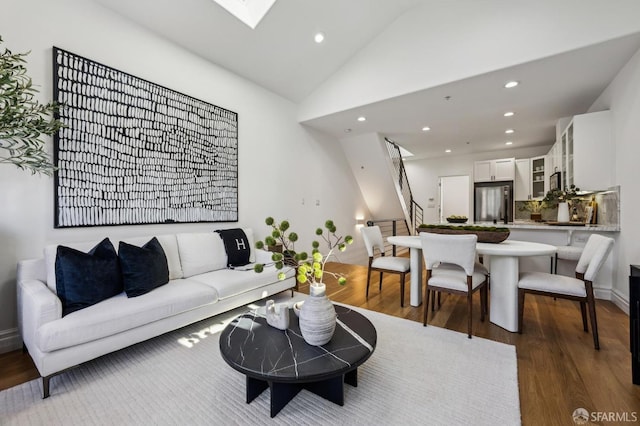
377,165
413,212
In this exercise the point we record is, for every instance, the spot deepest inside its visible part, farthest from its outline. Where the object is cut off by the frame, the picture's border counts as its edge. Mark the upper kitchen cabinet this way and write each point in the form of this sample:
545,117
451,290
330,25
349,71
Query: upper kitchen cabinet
494,170
539,181
531,182
587,156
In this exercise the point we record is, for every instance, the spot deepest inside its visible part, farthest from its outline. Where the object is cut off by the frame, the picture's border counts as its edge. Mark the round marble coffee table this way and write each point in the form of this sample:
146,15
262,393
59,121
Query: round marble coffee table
283,362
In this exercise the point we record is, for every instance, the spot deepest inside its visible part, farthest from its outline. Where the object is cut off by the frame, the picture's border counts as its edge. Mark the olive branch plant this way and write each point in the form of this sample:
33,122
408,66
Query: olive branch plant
309,268
23,120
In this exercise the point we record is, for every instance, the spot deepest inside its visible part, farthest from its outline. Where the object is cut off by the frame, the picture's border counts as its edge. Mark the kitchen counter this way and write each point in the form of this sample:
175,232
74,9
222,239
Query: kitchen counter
540,226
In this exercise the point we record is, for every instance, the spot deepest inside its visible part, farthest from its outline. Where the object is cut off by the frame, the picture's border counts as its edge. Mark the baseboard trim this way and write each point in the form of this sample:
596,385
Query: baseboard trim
602,293
620,301
10,340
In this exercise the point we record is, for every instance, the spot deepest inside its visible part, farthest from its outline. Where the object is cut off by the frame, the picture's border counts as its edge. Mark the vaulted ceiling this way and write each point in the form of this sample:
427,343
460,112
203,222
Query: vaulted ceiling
407,64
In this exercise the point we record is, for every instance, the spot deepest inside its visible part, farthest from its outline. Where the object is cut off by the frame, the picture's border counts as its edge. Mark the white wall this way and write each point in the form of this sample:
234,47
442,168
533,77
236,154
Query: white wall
280,162
622,97
424,174
445,41
370,164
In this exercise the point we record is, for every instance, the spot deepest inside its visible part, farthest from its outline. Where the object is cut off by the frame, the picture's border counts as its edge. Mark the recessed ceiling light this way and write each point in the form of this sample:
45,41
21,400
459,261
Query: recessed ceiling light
509,131
318,38
509,114
509,143
447,150
362,118
511,84
426,128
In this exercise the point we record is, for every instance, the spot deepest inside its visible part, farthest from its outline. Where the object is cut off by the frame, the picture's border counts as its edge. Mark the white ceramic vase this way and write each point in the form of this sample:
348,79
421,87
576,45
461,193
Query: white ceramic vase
317,316
563,212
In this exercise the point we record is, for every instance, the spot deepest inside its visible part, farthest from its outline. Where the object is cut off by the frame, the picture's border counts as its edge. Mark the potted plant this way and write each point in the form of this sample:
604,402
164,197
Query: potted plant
23,120
317,314
561,198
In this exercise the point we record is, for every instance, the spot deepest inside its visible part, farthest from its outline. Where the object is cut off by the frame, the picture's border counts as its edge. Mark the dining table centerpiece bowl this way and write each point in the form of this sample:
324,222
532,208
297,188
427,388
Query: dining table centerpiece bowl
457,219
317,315
486,234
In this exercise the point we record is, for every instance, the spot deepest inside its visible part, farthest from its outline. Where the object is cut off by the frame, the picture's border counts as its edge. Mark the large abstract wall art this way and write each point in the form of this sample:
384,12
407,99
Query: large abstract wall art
134,152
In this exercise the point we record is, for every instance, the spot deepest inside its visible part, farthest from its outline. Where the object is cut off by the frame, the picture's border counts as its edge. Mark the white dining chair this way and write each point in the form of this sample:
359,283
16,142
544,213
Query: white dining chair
580,288
372,237
450,261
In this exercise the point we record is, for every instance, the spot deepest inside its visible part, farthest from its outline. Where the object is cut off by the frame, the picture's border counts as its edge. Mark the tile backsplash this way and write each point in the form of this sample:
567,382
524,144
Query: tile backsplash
608,208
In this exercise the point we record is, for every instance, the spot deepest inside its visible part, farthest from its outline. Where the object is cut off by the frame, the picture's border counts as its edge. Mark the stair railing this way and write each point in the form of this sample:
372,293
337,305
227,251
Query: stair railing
413,211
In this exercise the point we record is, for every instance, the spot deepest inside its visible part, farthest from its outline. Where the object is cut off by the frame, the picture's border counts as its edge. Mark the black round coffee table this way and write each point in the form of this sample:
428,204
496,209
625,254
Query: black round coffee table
283,362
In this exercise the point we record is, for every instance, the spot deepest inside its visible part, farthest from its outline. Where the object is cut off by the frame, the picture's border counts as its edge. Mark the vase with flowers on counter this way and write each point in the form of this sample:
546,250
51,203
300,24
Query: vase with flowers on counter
317,316
566,201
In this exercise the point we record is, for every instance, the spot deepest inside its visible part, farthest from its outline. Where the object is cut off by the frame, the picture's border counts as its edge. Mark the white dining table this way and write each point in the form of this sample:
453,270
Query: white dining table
503,266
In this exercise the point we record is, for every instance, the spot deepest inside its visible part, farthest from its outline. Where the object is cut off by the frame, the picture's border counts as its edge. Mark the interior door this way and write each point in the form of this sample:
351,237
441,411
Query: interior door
454,196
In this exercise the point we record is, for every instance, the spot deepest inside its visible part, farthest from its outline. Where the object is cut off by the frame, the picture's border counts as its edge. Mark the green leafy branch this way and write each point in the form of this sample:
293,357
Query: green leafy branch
23,120
309,269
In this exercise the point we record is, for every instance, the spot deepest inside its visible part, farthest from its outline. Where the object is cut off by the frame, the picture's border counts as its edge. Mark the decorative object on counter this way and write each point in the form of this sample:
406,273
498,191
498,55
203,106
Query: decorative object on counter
457,219
23,120
486,234
593,208
535,208
277,315
562,198
563,212
317,316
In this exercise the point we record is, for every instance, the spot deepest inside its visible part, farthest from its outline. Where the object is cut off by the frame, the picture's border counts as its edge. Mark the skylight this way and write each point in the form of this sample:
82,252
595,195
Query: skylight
250,12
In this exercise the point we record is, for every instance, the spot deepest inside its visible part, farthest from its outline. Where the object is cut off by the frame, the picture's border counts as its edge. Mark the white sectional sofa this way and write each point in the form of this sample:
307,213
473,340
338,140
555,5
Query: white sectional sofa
200,286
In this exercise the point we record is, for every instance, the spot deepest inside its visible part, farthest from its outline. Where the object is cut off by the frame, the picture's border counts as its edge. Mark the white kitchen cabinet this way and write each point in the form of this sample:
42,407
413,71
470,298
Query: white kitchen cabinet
587,154
531,181
522,182
494,170
539,180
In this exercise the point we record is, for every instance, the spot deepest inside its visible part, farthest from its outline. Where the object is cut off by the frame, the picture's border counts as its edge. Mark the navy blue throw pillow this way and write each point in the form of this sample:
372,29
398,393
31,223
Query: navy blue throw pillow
236,245
143,268
84,279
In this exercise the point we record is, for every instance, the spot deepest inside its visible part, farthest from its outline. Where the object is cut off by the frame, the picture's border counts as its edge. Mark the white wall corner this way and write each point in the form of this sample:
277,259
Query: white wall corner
619,300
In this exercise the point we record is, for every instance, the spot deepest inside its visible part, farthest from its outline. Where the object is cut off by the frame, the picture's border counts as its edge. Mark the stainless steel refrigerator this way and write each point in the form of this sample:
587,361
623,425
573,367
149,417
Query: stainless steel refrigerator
493,202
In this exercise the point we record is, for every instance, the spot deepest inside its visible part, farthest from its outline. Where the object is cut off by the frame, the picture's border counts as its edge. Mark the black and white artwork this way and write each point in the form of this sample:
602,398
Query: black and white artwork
134,152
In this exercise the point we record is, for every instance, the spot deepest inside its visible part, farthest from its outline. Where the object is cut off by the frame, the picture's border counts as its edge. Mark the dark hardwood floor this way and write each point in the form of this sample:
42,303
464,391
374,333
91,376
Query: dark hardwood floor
558,368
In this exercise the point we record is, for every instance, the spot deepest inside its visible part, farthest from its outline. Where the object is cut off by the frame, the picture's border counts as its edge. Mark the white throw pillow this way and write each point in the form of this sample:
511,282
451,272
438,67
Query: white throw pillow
201,252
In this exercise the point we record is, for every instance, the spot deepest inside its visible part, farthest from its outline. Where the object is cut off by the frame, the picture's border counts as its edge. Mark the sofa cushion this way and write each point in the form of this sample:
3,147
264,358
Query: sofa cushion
236,245
170,246
201,252
229,282
119,313
143,268
50,254
84,279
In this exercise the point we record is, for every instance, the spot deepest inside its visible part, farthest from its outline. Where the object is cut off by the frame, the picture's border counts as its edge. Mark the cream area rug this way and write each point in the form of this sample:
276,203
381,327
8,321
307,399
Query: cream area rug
416,376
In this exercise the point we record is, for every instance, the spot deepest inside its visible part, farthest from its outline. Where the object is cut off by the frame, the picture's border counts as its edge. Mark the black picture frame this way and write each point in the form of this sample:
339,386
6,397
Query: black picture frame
134,152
